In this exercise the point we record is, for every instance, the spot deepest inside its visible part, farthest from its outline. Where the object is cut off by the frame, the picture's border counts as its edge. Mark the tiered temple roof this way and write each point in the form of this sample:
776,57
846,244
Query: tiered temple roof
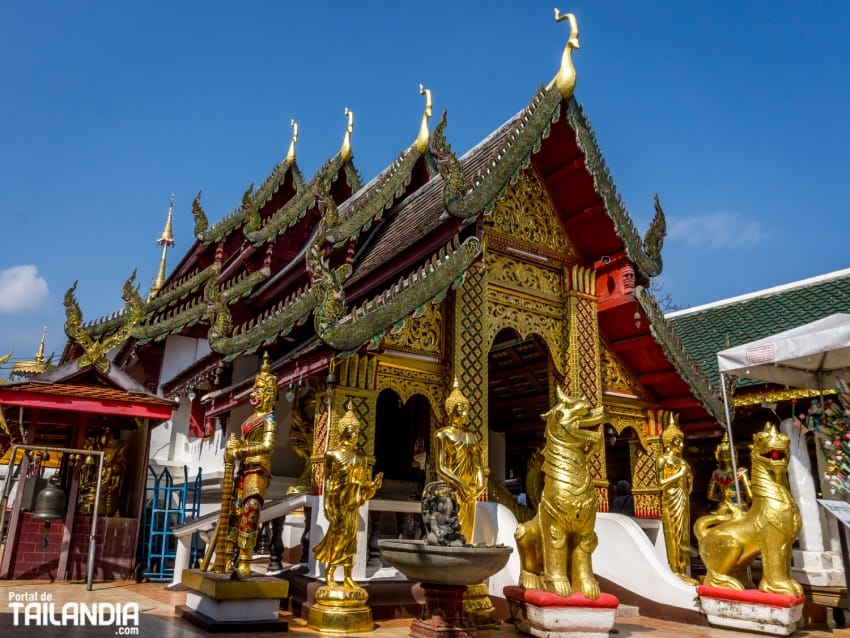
310,269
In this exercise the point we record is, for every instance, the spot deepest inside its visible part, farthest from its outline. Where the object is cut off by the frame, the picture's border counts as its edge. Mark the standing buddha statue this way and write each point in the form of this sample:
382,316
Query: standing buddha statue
460,459
676,482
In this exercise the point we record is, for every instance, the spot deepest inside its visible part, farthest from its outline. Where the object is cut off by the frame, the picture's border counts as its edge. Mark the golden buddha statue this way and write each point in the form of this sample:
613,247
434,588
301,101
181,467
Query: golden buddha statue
676,482
112,476
243,491
348,484
460,459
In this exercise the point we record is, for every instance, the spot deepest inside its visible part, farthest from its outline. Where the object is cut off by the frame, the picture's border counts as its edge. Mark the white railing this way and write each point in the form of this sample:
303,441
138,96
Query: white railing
273,510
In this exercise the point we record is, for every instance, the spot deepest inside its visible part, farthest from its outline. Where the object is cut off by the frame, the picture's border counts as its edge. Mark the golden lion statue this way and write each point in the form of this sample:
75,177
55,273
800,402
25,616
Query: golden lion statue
728,542
556,545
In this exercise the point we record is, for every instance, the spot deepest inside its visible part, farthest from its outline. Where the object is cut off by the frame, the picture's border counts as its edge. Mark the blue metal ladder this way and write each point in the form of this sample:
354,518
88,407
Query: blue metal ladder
166,506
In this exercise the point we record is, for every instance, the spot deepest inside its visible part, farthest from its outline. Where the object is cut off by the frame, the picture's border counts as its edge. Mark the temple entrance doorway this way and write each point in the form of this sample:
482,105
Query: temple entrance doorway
402,444
518,393
619,462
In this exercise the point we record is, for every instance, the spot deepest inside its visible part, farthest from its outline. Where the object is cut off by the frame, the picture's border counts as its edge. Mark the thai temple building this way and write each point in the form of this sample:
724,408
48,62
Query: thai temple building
512,268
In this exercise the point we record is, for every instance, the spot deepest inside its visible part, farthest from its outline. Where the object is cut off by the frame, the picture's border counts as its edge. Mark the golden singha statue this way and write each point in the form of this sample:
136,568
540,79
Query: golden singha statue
676,482
555,546
244,491
348,484
769,528
460,459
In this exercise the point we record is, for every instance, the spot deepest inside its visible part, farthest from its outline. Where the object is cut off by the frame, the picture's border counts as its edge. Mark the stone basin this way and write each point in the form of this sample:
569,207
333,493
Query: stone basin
443,565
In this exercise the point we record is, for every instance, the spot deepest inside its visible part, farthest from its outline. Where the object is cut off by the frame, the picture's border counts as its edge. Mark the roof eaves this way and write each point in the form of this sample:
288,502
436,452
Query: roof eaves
670,342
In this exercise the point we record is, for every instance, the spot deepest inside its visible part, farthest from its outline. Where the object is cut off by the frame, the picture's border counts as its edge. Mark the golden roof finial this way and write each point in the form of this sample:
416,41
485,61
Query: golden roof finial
36,366
290,154
565,79
423,140
345,152
39,355
165,240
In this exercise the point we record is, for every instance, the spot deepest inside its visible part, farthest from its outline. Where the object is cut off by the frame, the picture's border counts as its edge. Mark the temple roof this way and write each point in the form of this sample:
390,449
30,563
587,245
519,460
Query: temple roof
345,262
708,329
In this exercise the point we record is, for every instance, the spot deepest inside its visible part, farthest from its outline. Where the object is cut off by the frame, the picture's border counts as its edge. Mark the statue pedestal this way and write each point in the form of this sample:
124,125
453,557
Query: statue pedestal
479,608
340,610
444,616
216,603
751,609
547,615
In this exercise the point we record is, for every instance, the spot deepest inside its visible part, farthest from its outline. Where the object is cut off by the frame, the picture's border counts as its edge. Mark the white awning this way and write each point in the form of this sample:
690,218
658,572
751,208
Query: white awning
813,355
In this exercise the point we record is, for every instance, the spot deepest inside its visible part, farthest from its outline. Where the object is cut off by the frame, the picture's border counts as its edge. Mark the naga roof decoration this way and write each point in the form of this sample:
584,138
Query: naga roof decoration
646,253
95,350
388,310
305,198
262,330
195,310
358,213
667,337
166,297
528,129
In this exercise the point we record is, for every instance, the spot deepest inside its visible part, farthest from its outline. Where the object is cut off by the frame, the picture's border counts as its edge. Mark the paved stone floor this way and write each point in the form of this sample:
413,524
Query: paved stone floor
158,620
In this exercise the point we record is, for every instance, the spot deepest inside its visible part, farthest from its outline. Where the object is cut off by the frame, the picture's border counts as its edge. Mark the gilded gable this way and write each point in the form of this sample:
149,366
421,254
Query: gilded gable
525,213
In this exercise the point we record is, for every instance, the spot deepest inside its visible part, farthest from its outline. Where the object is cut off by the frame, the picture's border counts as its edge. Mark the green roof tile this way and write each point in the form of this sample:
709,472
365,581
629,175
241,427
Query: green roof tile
706,330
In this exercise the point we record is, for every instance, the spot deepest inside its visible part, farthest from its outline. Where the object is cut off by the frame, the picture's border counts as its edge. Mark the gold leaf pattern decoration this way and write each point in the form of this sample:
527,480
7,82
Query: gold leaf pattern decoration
421,334
524,277
614,376
525,212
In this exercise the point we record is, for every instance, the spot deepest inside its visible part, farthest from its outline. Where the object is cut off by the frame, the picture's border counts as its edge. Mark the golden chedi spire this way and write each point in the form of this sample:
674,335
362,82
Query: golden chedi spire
565,79
35,366
345,152
290,154
423,140
165,240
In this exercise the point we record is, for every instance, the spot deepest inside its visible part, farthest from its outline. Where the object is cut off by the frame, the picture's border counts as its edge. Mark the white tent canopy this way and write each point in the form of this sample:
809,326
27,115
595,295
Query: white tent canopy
813,355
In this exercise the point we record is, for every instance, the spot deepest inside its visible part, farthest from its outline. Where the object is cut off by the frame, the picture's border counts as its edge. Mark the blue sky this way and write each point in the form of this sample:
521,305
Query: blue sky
736,113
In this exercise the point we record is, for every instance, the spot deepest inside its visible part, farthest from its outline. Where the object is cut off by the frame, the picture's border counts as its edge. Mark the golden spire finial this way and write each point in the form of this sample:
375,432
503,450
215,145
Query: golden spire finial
30,368
345,151
565,79
423,140
290,154
39,355
165,240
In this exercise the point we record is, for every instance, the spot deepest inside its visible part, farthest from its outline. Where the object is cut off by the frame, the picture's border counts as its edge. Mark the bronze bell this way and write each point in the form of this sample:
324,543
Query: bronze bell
50,502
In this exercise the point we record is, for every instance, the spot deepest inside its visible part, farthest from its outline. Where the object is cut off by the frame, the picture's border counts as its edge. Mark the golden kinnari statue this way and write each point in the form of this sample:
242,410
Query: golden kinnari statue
244,490
770,527
675,479
721,486
460,459
555,546
348,484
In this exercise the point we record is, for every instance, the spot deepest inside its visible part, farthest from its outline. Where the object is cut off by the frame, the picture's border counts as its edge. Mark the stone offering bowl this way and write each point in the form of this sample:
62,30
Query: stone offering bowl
443,565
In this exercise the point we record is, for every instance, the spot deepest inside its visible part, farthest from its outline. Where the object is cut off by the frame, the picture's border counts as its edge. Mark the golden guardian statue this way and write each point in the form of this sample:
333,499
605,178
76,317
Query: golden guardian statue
721,486
348,484
769,528
676,482
460,459
244,490
555,546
